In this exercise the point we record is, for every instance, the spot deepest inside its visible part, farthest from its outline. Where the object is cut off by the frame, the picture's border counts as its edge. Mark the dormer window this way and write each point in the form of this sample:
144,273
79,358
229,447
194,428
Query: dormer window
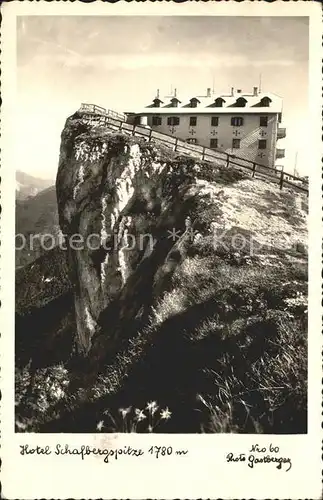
241,102
157,102
265,101
174,102
219,102
193,102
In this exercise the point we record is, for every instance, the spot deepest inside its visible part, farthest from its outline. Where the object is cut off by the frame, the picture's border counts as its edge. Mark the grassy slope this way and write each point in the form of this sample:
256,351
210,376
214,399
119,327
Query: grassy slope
225,345
226,348
44,318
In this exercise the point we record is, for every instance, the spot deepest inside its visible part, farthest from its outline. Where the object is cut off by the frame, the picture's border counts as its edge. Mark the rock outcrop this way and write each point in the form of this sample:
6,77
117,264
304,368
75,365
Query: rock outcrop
120,206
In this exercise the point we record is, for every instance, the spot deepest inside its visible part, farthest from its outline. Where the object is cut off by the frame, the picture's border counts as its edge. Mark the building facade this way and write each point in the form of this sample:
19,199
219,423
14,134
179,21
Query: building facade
247,125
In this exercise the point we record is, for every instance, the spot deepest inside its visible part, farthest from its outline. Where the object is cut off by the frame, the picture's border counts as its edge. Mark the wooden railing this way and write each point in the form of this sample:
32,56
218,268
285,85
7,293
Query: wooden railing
99,110
203,153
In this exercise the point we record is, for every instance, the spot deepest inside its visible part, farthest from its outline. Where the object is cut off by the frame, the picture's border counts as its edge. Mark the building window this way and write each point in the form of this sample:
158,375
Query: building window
237,121
235,143
193,121
263,121
156,121
191,140
173,120
213,143
262,144
214,121
136,120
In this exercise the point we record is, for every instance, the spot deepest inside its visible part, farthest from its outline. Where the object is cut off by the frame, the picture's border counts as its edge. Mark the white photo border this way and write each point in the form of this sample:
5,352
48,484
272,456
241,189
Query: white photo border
203,472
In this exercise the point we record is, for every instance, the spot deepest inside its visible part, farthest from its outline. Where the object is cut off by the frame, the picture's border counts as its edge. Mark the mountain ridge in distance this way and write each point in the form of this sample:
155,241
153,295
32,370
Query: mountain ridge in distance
35,214
28,186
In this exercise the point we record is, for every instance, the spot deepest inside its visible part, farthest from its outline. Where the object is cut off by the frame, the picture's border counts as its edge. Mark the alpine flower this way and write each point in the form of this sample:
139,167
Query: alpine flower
100,425
124,411
165,414
152,407
139,415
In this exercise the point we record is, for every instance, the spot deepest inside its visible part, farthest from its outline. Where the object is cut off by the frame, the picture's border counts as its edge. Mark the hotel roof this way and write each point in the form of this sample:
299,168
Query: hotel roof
235,102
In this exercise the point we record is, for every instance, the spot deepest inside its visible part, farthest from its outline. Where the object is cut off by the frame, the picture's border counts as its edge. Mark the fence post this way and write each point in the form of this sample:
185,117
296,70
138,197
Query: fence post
254,169
176,141
228,160
120,128
150,134
281,182
134,129
203,153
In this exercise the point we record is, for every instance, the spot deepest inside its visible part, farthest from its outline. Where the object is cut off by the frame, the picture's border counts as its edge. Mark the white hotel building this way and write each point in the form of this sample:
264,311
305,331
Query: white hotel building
247,125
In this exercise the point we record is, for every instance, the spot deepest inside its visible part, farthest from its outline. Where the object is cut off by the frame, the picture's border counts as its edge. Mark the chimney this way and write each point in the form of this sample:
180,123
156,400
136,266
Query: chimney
208,92
157,95
232,91
255,91
175,92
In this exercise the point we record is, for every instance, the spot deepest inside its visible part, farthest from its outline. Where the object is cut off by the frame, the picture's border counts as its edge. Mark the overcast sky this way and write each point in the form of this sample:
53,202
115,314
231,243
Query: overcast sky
119,62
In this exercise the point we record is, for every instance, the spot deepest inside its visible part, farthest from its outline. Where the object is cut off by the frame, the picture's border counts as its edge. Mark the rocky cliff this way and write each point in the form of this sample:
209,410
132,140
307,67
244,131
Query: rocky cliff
120,200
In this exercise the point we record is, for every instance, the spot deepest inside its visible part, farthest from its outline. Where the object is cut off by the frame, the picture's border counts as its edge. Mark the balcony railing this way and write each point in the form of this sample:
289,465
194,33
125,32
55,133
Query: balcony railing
280,153
281,133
